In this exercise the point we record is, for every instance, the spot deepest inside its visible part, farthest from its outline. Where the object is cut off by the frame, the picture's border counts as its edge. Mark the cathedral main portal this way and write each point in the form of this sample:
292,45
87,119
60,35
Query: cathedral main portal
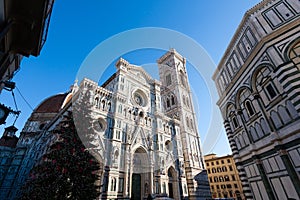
136,187
141,175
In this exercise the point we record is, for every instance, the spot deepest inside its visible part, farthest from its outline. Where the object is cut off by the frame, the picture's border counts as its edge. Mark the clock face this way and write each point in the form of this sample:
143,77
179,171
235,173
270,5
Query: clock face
170,63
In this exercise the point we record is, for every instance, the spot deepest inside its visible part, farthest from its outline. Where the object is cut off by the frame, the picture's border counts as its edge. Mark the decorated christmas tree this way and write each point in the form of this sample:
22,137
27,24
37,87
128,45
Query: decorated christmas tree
67,171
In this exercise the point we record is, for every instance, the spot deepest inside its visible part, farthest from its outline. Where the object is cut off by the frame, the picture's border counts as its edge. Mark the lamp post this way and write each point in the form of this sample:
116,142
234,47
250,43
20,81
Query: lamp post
10,131
4,111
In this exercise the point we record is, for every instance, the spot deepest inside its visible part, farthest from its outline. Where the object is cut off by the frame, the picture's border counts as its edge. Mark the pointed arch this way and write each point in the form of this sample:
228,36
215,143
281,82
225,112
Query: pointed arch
172,172
96,102
109,106
140,160
182,78
103,104
168,102
173,102
187,122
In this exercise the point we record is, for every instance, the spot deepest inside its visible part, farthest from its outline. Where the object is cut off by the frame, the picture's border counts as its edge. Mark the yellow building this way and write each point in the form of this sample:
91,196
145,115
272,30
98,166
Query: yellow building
223,177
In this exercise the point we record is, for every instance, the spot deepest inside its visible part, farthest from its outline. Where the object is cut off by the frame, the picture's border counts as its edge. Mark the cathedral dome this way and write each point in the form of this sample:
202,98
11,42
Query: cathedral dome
52,104
49,107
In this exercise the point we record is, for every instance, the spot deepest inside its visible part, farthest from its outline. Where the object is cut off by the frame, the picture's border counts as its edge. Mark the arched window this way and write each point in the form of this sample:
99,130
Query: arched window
219,169
224,169
168,103
168,80
249,107
230,114
187,122
120,108
216,179
213,170
271,91
262,76
265,84
172,100
182,79
226,178
235,122
96,102
191,121
187,102
103,104
112,184
245,101
116,156
146,188
109,106
221,179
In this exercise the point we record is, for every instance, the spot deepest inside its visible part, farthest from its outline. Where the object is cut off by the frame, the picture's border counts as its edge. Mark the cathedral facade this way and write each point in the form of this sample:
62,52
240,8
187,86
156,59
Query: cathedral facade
145,132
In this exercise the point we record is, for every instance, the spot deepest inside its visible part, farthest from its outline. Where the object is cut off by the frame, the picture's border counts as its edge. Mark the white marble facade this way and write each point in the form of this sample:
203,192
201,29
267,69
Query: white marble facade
259,88
153,145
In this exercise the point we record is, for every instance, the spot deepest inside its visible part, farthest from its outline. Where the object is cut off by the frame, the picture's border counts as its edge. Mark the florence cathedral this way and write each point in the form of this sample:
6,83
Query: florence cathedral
146,132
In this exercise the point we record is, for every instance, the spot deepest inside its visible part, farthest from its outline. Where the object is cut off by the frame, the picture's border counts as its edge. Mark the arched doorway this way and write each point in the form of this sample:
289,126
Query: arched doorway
172,184
140,175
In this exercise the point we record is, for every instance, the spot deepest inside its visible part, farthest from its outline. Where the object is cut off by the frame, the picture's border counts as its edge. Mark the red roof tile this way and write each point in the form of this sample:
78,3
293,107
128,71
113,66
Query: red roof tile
51,104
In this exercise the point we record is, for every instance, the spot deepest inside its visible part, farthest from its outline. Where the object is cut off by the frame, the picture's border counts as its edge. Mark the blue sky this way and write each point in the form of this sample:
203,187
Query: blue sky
76,29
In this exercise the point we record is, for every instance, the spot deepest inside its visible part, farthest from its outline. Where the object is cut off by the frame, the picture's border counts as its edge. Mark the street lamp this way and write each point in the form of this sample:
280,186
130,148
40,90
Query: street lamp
4,111
10,131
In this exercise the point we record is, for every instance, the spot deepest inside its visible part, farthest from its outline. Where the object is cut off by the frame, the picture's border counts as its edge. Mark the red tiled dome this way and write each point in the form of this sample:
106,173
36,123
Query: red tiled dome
52,104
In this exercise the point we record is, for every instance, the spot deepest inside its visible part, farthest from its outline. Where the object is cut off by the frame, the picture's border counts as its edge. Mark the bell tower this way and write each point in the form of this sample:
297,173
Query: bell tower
177,103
